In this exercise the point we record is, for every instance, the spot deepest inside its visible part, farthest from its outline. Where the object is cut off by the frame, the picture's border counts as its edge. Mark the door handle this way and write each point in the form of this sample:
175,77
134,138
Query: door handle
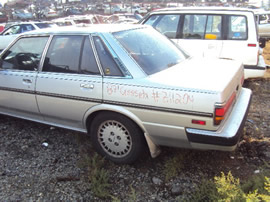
88,86
28,81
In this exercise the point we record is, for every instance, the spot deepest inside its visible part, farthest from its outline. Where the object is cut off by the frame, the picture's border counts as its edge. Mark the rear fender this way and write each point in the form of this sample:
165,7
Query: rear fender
153,148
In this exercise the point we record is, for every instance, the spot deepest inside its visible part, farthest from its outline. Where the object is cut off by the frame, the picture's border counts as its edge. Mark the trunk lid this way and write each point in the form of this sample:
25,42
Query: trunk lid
203,76
206,74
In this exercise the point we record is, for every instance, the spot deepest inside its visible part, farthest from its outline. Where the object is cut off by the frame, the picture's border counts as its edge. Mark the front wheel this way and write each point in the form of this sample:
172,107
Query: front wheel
117,137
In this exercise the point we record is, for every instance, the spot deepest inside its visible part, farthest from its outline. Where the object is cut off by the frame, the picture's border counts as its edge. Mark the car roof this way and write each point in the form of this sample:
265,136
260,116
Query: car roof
30,22
261,11
201,8
93,28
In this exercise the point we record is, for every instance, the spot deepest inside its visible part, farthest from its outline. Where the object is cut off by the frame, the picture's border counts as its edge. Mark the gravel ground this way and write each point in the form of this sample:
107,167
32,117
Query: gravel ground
44,163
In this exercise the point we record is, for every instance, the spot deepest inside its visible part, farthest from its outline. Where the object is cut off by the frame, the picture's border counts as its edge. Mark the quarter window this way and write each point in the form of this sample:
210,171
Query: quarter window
25,54
108,64
237,28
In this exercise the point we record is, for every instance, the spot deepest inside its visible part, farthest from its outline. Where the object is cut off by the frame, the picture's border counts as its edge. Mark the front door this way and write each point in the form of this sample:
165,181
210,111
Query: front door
18,71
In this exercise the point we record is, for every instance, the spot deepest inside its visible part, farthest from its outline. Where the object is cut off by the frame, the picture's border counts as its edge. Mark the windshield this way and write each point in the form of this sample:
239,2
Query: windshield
150,49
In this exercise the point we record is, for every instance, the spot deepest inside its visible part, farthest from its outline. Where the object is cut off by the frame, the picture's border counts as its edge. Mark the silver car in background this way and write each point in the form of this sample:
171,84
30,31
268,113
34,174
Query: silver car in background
129,87
11,32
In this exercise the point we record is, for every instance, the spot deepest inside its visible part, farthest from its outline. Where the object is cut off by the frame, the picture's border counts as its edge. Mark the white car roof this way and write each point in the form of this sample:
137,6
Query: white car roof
261,11
27,23
201,8
93,28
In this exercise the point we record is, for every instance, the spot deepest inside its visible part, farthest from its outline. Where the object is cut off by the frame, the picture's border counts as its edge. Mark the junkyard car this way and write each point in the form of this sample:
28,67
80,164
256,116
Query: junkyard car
22,15
263,21
128,94
213,31
10,33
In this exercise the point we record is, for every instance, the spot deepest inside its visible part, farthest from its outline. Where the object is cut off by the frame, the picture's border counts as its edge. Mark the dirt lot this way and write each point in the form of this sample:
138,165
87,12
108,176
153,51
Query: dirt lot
43,163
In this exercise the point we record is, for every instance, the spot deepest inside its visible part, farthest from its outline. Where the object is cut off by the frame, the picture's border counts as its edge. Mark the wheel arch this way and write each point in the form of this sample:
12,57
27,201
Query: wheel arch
92,113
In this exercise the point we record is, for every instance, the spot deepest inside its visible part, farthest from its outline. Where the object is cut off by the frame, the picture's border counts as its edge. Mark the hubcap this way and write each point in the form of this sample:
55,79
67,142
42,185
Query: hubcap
114,138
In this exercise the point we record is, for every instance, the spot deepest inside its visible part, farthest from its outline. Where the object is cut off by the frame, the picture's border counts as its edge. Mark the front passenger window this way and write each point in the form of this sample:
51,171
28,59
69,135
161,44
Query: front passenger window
165,24
12,30
25,54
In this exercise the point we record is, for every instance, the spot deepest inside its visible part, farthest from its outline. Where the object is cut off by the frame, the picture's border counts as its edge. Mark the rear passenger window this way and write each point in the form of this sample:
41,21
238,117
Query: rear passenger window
63,54
202,27
213,27
71,54
25,54
27,27
237,28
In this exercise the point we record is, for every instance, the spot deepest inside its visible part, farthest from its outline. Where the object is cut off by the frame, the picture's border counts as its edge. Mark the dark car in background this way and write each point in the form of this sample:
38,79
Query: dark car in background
3,17
74,11
22,15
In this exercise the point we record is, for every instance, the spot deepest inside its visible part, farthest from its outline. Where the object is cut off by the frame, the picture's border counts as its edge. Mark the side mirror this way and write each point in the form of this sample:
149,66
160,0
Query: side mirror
211,36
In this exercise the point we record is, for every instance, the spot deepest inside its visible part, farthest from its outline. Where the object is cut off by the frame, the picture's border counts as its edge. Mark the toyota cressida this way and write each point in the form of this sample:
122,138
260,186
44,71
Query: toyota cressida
129,87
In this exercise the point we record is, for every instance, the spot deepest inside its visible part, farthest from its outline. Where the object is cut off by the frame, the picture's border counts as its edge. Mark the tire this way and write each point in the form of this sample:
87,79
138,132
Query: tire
117,138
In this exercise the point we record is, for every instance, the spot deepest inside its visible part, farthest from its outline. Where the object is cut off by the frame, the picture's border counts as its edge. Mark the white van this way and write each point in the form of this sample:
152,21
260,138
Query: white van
213,31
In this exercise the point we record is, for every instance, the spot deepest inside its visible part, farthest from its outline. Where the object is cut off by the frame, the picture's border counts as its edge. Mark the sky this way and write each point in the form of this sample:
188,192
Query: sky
3,2
259,2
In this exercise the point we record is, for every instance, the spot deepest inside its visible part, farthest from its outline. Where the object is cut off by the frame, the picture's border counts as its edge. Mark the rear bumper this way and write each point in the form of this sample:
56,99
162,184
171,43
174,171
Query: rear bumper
255,71
229,134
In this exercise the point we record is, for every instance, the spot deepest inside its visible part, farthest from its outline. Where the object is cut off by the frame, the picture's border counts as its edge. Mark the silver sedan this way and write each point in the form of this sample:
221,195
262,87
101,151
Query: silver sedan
129,87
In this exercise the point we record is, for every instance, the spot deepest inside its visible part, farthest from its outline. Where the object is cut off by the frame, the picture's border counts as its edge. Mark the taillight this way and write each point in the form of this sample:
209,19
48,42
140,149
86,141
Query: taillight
252,45
222,109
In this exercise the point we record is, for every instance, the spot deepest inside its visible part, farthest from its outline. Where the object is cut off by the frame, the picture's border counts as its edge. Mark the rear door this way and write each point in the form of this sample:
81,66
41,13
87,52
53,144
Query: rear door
18,71
201,34
70,81
241,42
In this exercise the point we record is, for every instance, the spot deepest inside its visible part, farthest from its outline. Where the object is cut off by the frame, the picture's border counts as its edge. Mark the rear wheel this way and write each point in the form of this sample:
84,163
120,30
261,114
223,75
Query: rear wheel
117,137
